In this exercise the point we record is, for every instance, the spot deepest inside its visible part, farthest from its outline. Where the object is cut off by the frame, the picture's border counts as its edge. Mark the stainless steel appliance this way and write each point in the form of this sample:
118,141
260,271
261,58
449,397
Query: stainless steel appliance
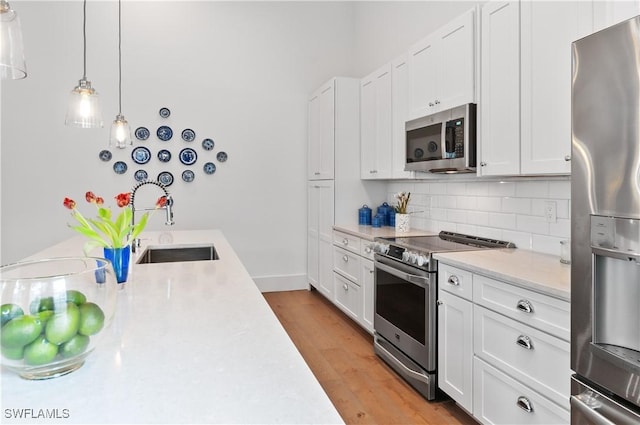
444,142
605,227
405,302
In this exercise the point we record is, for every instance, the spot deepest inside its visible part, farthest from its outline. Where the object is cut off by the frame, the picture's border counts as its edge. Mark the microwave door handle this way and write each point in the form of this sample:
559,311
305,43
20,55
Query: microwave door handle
417,280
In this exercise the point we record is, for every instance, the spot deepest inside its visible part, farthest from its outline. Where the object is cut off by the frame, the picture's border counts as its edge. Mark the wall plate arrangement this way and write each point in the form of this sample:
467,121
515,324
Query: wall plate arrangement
188,156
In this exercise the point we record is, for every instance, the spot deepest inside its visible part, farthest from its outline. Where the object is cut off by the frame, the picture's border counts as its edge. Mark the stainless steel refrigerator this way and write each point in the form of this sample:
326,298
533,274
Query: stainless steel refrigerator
605,227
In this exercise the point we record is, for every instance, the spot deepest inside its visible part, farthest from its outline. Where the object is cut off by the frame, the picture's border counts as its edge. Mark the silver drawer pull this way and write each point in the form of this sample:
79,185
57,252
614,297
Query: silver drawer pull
345,259
345,287
524,306
524,342
345,241
525,404
453,280
368,249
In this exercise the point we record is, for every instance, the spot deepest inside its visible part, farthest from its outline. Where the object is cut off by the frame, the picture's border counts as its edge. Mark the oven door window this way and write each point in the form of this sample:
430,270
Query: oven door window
401,303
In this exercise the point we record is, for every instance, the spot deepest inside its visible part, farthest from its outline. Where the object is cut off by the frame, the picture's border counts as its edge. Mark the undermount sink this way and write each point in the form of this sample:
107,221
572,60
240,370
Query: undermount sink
171,255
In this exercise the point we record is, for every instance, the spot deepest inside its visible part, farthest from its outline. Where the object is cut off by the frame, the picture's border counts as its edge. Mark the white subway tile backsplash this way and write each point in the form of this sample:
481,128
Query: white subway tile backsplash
521,239
457,216
467,202
533,224
480,218
490,204
560,189
456,188
502,220
467,229
516,205
502,189
533,189
478,189
446,201
546,244
561,228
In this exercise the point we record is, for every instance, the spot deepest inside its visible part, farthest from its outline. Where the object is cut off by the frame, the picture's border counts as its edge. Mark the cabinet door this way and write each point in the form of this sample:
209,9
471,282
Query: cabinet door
367,127
399,112
547,30
423,62
325,236
347,296
384,134
456,70
367,288
499,145
321,133
455,348
313,234
607,13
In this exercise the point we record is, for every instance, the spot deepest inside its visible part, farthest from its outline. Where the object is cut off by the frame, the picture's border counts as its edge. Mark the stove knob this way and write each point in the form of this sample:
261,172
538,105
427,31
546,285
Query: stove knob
413,257
421,260
405,256
385,248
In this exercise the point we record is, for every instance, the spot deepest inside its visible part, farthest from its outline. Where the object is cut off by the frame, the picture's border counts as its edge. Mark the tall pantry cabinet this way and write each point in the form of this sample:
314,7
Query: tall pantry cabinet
335,191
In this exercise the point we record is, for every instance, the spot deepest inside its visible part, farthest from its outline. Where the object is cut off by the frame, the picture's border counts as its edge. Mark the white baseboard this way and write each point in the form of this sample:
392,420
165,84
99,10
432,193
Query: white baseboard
291,282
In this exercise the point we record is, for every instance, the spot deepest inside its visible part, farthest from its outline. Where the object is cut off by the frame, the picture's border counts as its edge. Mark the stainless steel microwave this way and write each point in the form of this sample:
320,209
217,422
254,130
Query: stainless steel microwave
444,142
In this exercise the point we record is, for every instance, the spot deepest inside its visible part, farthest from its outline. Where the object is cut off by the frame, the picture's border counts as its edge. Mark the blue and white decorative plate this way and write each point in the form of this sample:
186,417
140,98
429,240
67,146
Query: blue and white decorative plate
166,178
222,156
188,135
141,155
120,167
141,175
105,155
188,176
188,156
164,133
142,133
164,155
209,168
207,144
165,112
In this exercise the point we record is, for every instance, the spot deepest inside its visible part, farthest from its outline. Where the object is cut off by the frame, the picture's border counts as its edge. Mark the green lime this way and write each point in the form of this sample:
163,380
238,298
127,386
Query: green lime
91,319
41,304
13,353
76,345
44,316
76,297
20,331
9,311
63,325
40,352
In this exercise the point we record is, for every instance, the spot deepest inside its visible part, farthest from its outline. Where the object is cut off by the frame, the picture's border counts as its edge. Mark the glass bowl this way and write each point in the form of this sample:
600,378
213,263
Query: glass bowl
54,313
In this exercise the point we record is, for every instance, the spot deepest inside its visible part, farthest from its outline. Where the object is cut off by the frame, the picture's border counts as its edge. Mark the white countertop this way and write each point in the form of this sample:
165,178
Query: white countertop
370,232
538,272
191,342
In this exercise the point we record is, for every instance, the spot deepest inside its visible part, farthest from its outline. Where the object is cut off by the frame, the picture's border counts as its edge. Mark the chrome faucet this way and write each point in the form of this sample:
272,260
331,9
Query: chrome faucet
168,207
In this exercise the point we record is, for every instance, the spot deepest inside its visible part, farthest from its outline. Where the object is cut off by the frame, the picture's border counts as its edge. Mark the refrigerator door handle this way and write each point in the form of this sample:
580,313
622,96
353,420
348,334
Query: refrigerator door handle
589,413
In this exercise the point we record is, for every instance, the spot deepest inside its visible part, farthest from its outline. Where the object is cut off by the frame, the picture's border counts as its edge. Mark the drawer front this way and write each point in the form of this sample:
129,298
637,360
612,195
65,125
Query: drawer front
540,311
366,249
537,359
500,399
456,281
346,241
347,296
346,263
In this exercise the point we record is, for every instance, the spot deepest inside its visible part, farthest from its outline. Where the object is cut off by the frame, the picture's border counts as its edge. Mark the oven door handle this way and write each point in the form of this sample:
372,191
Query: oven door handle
420,281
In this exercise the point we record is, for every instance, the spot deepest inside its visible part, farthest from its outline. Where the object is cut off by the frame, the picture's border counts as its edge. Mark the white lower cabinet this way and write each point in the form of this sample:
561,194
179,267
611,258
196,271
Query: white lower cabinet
503,353
353,277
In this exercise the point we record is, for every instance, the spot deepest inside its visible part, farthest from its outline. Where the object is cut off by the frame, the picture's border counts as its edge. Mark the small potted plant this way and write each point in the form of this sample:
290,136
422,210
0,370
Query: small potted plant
402,215
113,236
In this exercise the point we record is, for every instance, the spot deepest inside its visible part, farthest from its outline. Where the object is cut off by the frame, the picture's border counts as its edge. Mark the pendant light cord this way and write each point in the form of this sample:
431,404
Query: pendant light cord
84,38
119,57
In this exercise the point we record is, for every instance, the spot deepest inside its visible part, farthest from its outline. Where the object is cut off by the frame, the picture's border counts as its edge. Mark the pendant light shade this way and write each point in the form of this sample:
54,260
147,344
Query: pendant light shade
120,130
83,109
12,65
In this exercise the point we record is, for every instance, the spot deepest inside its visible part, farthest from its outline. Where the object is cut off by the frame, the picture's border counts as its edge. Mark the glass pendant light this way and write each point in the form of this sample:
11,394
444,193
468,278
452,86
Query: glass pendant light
84,109
12,65
120,130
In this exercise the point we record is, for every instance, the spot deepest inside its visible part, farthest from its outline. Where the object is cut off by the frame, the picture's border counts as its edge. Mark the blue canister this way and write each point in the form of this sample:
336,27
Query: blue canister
378,221
385,211
392,218
364,216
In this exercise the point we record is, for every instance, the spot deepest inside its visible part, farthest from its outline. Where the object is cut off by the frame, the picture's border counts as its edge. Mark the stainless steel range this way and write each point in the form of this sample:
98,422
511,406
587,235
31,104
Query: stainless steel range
405,302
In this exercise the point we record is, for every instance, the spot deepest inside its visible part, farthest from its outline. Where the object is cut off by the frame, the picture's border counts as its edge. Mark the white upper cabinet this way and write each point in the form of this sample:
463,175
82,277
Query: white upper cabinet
607,13
399,112
376,135
499,111
442,68
525,90
321,133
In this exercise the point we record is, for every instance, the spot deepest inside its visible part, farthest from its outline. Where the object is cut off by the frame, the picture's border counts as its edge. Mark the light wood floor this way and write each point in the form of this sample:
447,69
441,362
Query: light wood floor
340,354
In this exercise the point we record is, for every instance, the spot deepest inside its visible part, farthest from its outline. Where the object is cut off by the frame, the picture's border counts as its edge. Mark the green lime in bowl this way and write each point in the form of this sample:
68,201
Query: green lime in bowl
54,313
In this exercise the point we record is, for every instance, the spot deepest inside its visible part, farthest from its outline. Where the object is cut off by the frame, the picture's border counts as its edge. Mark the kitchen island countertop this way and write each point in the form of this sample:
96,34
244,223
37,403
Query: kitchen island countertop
191,342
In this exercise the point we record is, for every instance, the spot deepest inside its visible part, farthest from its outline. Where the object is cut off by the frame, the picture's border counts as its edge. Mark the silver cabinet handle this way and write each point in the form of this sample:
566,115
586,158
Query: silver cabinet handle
345,259
345,287
439,302
437,102
370,271
524,342
368,249
567,158
453,280
431,104
525,306
483,164
525,404
317,173
373,171
345,241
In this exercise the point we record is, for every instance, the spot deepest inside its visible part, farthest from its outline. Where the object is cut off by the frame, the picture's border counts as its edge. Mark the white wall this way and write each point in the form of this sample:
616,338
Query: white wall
237,72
